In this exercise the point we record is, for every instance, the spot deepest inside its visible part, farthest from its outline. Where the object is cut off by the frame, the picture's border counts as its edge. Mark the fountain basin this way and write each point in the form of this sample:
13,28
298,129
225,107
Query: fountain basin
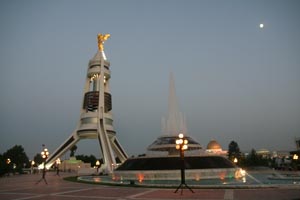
168,168
256,179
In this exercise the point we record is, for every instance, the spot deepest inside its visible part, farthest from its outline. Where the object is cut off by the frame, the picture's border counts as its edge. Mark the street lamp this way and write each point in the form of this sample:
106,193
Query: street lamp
57,166
32,164
97,165
235,160
44,155
295,161
181,145
8,161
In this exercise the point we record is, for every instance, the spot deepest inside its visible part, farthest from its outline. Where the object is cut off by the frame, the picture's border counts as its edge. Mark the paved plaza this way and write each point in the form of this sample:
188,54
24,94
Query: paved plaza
21,187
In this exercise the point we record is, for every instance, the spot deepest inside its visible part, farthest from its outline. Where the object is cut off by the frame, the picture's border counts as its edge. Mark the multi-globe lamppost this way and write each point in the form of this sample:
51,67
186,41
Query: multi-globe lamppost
98,165
182,145
57,162
8,161
44,155
32,165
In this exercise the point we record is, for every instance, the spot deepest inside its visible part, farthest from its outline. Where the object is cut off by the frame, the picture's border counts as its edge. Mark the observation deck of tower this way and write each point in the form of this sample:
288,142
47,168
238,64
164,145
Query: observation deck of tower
96,120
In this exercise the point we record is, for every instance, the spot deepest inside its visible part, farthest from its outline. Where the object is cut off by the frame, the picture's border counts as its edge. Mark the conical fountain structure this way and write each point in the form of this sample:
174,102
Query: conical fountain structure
175,122
172,126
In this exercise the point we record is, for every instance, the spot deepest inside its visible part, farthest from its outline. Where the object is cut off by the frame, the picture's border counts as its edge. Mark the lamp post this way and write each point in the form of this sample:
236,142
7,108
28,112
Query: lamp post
235,160
58,162
97,165
32,164
295,161
181,145
44,155
8,161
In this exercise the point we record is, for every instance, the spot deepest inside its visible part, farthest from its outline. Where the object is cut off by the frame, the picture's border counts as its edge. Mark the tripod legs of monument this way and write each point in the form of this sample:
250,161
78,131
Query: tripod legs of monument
182,185
182,172
43,177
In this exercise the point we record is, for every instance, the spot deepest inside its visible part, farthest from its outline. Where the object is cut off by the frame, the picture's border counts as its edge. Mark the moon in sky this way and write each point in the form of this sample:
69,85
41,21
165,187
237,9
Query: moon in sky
261,25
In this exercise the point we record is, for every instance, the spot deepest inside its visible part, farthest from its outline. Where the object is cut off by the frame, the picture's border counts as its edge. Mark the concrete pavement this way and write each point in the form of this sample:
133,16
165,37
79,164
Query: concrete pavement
21,187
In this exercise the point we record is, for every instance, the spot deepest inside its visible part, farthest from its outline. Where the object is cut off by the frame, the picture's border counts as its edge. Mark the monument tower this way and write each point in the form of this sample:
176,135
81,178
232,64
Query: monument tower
96,121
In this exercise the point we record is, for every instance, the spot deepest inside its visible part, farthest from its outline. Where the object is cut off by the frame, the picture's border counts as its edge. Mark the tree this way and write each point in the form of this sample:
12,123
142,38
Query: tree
73,149
38,159
234,151
18,158
87,159
4,168
253,159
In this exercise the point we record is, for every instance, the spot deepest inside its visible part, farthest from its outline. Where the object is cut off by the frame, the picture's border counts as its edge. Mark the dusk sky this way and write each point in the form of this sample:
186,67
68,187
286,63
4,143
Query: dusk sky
234,80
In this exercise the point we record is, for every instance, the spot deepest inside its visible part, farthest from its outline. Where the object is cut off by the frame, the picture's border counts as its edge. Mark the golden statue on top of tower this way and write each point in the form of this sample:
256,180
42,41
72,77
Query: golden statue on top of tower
101,40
